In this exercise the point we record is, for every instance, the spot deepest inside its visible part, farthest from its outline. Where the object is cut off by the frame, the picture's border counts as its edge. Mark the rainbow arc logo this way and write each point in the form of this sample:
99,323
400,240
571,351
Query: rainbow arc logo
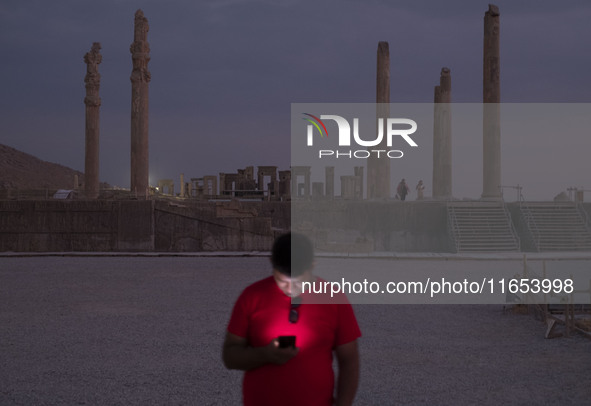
316,122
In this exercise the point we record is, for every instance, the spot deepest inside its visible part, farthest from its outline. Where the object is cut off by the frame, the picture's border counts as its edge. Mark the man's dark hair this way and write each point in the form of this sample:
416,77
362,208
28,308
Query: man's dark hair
292,254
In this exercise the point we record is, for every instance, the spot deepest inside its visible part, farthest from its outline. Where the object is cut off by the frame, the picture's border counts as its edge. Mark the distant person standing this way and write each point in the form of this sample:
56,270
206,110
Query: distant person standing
420,187
402,190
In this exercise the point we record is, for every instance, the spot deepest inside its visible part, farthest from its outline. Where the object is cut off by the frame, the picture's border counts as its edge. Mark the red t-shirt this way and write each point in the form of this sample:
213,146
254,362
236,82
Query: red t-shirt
261,314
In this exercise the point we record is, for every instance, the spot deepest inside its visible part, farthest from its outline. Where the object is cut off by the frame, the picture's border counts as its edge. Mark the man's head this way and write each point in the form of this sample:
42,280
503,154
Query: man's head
292,257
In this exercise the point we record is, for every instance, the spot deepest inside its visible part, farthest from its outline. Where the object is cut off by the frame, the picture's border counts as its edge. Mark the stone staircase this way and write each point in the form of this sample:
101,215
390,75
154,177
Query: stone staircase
481,227
554,226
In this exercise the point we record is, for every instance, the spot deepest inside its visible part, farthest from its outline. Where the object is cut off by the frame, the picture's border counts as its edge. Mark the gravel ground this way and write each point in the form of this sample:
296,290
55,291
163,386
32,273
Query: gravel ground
148,331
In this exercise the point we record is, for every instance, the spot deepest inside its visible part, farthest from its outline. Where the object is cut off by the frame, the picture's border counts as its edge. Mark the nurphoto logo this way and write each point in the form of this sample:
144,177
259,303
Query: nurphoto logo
402,127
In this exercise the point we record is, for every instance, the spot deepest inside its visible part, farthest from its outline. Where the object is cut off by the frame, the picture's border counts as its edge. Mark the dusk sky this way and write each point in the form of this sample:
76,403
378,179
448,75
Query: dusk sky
224,75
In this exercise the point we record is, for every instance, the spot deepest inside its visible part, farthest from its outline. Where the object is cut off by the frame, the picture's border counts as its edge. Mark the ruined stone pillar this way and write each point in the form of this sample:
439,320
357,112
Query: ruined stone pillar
329,182
307,183
491,153
358,171
378,169
284,184
294,183
140,77
182,185
210,185
442,137
300,190
93,103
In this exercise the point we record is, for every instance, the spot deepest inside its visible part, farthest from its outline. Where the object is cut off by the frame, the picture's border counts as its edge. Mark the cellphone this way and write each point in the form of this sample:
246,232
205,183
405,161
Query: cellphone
287,341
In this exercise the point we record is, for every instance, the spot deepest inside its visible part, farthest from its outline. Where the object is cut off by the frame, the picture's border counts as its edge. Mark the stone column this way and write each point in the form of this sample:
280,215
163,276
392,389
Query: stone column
297,171
182,185
307,183
329,182
140,77
491,154
210,185
284,184
358,171
378,169
442,137
93,103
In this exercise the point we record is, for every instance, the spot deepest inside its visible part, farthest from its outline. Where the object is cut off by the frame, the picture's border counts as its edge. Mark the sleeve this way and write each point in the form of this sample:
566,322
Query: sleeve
238,324
347,328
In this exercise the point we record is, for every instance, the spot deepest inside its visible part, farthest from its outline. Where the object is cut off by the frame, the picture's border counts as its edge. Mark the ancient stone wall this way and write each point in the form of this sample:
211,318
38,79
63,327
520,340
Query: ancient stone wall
374,226
216,226
193,226
46,226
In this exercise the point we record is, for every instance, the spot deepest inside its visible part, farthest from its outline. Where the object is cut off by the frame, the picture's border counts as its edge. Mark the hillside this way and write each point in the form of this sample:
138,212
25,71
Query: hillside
19,170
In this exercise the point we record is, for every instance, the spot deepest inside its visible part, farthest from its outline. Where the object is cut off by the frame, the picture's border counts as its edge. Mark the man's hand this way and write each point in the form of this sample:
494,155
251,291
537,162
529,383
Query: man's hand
279,356
238,355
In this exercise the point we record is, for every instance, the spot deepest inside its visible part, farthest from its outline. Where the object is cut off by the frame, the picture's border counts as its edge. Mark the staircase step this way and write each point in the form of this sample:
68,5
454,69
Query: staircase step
482,227
557,226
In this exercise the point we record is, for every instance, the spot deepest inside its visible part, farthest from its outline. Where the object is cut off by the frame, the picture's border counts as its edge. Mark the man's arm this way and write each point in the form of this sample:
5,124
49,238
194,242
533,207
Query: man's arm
348,378
236,353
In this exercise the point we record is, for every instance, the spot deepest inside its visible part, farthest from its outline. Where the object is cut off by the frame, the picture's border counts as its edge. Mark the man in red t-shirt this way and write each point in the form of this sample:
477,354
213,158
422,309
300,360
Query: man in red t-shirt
301,375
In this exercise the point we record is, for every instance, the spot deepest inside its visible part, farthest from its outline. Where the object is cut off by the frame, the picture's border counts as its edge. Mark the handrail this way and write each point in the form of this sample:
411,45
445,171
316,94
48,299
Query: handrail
518,188
453,230
530,222
583,213
513,231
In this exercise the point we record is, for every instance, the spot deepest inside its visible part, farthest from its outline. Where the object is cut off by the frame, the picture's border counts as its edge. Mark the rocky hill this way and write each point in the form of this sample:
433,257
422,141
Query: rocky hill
19,170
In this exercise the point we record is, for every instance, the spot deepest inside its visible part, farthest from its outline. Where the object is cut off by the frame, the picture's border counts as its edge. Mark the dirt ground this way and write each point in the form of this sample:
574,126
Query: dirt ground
148,331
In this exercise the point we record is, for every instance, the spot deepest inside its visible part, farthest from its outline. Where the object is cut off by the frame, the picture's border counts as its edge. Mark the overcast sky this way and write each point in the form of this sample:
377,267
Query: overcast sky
224,74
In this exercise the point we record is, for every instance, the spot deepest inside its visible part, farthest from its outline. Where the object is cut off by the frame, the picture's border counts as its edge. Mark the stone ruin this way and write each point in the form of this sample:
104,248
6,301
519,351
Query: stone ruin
270,184
295,183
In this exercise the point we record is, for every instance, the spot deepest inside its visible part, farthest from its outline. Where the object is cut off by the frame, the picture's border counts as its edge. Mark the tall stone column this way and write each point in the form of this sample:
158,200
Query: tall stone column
93,103
442,180
491,154
378,169
140,77
329,182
